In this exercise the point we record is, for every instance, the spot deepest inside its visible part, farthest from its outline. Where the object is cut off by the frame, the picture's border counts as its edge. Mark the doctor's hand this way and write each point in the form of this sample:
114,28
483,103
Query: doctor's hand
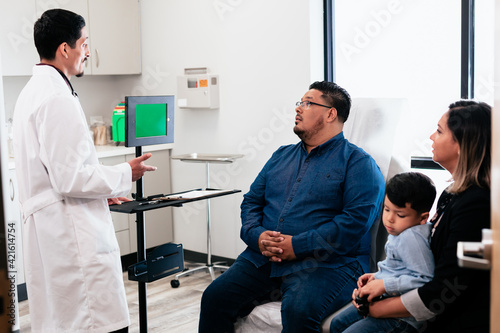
138,166
117,201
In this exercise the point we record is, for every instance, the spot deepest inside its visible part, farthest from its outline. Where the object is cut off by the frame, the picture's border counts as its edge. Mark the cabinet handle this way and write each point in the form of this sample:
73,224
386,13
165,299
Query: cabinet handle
12,190
96,58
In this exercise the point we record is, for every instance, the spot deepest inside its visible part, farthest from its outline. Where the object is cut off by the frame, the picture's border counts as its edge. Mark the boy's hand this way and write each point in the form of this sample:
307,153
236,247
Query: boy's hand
372,289
364,279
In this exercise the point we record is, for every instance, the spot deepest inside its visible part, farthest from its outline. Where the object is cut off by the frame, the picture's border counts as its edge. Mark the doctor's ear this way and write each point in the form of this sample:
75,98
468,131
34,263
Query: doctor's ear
63,50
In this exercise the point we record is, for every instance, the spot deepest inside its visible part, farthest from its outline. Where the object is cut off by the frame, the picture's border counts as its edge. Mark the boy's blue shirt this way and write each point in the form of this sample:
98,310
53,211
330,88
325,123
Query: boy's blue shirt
409,261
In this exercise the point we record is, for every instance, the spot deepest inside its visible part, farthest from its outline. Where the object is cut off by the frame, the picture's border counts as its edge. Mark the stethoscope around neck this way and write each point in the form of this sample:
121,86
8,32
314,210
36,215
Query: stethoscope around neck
73,92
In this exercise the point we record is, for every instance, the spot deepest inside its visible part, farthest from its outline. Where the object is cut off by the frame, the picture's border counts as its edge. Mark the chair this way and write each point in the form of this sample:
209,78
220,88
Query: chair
372,125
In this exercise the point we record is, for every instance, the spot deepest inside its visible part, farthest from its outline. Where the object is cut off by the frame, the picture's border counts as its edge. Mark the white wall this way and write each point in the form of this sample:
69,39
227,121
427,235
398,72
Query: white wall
264,68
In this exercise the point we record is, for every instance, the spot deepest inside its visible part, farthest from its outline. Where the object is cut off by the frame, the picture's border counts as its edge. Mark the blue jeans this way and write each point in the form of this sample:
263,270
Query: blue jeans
307,296
349,321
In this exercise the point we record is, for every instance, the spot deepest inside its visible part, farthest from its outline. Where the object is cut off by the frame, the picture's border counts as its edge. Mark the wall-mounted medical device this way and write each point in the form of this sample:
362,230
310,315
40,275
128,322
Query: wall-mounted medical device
197,89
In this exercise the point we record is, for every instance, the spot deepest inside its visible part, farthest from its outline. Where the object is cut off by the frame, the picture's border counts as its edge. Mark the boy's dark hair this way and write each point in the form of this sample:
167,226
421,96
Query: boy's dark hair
54,27
411,187
335,96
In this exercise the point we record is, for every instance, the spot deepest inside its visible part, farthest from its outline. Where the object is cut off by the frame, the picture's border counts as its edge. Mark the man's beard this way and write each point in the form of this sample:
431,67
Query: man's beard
305,135
82,73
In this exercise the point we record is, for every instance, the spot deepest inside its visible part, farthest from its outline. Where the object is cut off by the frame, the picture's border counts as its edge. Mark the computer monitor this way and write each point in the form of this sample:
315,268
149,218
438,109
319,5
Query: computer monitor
149,120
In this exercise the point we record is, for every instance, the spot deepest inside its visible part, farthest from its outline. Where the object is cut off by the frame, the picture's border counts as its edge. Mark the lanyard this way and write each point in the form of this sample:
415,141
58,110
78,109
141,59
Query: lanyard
73,92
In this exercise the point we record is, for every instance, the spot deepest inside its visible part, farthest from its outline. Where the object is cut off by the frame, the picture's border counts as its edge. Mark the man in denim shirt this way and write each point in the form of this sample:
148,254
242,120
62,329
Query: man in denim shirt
306,221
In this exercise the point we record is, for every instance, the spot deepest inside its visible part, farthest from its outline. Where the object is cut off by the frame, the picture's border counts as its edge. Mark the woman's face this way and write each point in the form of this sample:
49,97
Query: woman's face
445,149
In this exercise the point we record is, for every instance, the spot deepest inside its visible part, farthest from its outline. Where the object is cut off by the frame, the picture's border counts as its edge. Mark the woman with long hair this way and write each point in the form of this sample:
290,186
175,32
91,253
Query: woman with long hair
457,299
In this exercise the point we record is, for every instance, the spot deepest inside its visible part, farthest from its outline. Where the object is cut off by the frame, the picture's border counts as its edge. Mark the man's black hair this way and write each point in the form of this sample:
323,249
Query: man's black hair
54,27
335,96
411,187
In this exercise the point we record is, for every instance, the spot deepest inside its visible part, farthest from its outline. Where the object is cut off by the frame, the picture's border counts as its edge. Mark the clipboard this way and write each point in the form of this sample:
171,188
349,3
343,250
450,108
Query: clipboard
169,200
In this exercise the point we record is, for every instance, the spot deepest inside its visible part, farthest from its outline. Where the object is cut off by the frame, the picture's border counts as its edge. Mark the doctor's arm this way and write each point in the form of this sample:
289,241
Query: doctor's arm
68,155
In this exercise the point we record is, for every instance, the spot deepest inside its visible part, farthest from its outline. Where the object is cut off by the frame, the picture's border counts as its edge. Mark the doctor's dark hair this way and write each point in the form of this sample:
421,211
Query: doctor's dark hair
54,27
413,188
335,96
470,124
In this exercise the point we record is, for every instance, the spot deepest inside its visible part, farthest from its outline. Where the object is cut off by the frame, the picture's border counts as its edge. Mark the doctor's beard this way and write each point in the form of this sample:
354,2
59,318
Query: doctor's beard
82,72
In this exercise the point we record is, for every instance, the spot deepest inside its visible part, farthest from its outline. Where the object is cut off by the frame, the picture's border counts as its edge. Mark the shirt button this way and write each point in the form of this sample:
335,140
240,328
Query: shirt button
281,220
289,199
298,180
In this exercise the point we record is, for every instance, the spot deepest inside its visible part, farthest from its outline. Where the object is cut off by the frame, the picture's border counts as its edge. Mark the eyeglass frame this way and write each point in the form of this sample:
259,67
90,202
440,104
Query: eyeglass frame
309,104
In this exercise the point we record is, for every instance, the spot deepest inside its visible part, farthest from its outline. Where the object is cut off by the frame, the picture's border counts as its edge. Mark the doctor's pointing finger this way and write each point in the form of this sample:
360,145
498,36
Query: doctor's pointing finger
138,166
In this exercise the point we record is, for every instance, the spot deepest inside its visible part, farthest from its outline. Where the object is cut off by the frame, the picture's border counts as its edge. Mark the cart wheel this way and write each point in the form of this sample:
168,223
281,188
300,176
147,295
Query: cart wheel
175,283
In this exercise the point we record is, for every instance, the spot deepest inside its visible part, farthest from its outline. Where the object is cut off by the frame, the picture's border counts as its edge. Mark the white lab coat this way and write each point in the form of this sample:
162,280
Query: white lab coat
72,260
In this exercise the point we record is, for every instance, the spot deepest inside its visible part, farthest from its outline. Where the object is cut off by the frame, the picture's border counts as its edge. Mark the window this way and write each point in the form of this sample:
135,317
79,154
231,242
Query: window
411,50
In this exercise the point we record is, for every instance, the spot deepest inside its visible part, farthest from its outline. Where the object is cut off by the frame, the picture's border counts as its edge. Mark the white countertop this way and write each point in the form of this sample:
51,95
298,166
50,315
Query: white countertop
112,150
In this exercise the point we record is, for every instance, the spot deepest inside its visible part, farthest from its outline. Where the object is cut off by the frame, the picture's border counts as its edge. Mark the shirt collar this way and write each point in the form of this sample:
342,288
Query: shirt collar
73,92
328,145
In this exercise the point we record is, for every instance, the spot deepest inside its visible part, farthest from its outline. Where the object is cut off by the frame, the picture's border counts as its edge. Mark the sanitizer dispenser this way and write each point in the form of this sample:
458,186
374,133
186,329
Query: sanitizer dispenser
197,89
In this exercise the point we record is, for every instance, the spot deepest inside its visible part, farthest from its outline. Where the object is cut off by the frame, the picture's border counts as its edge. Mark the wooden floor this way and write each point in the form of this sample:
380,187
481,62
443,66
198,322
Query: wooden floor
169,309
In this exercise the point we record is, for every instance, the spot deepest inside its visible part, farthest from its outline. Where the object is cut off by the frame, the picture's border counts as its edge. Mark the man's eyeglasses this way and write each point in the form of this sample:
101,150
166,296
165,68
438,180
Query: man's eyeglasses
306,104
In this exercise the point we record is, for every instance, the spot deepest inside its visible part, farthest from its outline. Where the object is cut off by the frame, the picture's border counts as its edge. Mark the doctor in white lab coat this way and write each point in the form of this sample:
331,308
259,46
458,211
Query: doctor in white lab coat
73,270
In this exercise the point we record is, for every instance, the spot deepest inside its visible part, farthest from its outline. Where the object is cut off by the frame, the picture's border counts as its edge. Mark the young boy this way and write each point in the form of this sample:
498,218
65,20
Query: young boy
409,262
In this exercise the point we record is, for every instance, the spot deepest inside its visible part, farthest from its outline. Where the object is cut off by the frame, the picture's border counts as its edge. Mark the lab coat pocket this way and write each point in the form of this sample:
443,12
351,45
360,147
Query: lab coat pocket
100,227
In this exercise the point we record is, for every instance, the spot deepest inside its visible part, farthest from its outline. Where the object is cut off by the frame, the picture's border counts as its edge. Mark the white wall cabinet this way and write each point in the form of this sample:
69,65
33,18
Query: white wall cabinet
115,36
113,27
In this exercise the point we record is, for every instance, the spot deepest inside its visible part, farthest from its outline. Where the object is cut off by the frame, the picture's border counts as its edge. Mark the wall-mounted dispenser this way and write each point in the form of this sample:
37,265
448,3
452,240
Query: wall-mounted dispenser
197,89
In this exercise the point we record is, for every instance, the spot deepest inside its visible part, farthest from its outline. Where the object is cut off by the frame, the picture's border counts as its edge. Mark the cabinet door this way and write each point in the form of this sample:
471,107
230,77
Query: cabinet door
158,225
120,221
16,38
79,7
115,34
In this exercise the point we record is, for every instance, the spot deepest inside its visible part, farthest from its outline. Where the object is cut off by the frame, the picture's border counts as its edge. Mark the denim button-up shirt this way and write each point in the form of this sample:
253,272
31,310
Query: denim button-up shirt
326,199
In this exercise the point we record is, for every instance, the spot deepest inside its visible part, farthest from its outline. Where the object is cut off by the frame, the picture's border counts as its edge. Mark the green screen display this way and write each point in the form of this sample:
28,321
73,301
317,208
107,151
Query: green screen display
151,120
